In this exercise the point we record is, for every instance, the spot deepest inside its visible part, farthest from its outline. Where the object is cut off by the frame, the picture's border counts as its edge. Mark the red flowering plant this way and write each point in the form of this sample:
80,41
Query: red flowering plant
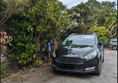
41,22
3,39
46,18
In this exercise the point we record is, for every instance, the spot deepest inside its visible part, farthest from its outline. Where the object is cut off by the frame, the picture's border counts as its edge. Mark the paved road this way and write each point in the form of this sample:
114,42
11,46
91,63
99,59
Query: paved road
47,75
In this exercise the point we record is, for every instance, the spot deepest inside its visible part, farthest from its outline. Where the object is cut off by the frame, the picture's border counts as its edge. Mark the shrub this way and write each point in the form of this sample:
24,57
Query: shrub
4,69
36,23
3,39
102,32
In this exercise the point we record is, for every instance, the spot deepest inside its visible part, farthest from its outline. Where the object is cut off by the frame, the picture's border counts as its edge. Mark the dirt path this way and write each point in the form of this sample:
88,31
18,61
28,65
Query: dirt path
47,75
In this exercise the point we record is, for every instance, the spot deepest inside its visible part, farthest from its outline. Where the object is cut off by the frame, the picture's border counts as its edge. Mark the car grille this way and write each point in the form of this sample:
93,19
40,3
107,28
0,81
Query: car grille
70,67
66,67
69,60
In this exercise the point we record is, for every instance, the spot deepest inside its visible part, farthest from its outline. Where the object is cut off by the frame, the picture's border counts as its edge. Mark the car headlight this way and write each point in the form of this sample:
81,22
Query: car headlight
91,55
54,54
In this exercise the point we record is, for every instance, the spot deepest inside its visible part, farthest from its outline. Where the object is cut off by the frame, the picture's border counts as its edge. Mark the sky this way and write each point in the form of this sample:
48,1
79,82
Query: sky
71,3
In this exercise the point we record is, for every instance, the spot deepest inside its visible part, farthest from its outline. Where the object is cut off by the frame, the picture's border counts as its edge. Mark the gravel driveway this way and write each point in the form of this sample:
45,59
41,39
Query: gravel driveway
47,75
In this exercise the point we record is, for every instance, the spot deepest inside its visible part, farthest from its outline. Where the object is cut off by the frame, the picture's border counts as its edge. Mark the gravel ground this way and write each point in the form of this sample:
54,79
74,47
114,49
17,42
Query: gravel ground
47,75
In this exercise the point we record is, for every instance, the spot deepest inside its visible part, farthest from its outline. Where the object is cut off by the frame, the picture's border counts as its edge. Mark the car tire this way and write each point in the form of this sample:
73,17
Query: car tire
98,72
103,59
114,47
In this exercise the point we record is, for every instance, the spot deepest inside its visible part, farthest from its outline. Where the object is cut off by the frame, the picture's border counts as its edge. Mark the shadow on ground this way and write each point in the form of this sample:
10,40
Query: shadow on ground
77,75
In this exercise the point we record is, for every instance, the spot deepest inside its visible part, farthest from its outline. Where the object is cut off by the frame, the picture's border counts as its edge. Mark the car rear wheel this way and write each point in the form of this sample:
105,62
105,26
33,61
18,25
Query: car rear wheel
99,69
114,47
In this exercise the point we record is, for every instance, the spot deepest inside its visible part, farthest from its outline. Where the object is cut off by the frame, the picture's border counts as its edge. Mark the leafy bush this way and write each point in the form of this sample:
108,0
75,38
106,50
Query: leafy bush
4,40
23,45
4,69
82,18
33,25
102,32
4,37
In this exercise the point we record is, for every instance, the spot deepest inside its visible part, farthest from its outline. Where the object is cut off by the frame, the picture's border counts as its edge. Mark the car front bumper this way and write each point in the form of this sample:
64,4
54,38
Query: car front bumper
76,68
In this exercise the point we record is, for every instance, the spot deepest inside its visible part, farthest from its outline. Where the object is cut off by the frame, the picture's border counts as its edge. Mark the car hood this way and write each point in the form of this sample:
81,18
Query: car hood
74,51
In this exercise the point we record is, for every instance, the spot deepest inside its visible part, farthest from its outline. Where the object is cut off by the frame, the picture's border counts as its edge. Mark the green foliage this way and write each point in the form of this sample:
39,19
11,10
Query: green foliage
20,71
34,24
102,10
4,69
22,47
102,32
111,23
38,62
9,7
82,18
4,40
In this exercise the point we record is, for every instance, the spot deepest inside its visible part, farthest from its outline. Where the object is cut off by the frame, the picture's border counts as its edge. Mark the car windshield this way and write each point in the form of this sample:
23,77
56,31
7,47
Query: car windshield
79,40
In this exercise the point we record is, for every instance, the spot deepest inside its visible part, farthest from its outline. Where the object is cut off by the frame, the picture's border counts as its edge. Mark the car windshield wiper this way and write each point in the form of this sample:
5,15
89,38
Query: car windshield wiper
72,44
86,45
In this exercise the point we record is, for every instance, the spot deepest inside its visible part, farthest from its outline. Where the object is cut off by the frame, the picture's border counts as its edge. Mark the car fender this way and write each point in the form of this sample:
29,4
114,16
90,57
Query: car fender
98,54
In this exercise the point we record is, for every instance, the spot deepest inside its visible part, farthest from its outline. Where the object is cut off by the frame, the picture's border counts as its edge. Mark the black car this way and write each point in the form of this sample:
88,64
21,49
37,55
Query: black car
79,53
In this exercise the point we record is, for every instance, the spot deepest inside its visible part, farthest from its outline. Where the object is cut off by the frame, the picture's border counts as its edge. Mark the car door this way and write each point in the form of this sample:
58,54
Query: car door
114,42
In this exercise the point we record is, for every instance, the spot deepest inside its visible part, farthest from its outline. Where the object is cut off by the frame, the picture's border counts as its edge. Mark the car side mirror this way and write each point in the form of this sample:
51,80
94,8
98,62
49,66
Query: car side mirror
100,43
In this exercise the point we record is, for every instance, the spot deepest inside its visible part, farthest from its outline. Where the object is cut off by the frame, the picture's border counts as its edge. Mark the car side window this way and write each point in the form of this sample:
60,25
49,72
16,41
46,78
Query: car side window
98,38
114,40
97,41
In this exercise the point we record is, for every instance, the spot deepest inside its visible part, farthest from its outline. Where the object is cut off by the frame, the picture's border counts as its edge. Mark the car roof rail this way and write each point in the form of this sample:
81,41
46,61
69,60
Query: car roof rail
73,33
94,33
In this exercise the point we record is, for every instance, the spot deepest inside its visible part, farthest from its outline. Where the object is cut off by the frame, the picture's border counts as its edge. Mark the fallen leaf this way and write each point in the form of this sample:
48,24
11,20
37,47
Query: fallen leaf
33,70
37,73
42,64
46,67
24,68
45,61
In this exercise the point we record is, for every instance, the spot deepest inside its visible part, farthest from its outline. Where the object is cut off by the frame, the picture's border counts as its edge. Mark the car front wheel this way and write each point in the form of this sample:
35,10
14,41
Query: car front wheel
103,59
99,69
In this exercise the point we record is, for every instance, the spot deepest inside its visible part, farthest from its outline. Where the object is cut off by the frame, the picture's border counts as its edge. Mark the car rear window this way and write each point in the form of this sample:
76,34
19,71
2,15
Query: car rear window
79,40
114,40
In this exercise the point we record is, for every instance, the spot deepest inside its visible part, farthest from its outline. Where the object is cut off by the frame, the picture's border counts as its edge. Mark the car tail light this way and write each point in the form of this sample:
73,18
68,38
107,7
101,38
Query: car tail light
110,42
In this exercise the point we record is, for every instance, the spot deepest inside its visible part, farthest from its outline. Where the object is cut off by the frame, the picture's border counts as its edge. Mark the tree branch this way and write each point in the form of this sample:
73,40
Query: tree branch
4,15
10,14
38,37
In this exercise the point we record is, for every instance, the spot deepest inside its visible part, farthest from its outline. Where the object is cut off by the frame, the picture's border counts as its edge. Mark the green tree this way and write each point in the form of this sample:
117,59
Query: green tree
103,10
111,23
8,7
102,31
37,23
110,5
82,18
